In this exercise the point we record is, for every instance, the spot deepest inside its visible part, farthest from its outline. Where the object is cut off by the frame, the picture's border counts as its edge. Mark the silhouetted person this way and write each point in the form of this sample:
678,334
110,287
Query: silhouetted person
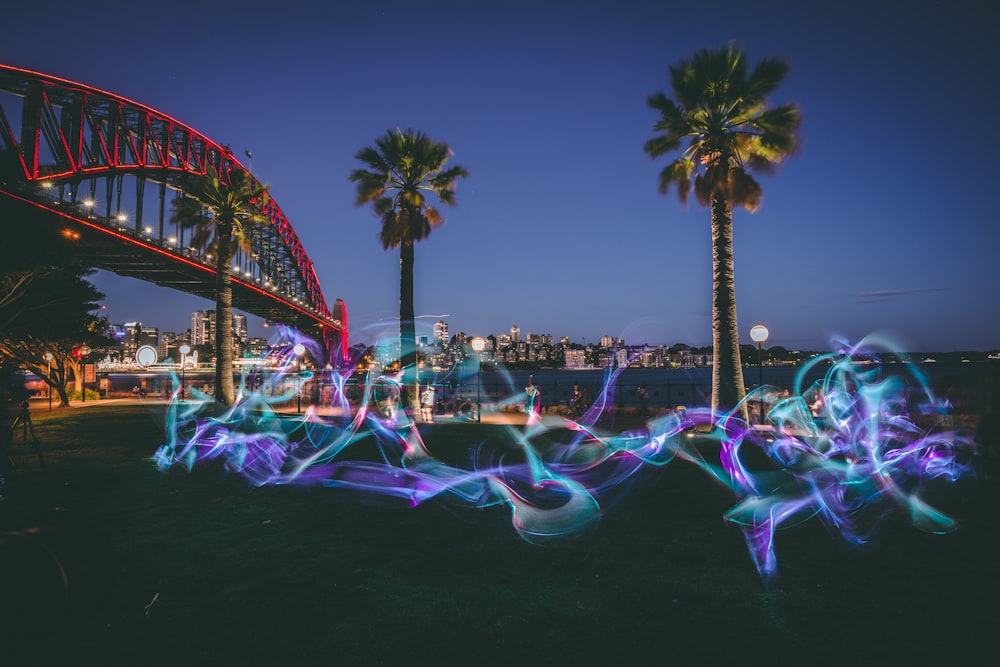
576,403
534,394
13,401
643,395
427,404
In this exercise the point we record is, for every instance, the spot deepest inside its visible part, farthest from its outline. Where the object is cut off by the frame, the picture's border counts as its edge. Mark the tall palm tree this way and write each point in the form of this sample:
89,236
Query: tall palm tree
233,201
721,115
398,171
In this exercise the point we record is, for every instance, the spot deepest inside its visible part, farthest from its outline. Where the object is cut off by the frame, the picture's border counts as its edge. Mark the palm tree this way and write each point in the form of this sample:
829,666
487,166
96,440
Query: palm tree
398,171
721,114
233,201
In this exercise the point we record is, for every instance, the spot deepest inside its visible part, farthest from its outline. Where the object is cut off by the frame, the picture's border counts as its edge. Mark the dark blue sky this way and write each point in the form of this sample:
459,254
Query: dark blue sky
883,221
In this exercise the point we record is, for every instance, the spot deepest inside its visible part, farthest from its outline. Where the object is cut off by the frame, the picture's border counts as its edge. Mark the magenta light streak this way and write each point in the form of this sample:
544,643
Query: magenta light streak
848,457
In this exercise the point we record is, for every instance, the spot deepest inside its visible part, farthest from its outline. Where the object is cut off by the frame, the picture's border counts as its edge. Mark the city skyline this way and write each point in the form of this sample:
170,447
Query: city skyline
880,222
430,332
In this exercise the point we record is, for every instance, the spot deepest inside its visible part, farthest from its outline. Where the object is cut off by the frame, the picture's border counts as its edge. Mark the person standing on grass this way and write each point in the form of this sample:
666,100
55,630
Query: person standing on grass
643,395
534,406
427,404
576,402
13,402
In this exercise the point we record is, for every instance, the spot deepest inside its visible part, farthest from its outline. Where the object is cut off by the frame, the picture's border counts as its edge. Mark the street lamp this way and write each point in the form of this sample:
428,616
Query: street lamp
184,349
84,351
299,350
48,374
478,345
758,334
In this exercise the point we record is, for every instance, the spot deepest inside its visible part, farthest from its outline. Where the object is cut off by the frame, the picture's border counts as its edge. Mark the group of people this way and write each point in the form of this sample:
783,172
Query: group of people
431,404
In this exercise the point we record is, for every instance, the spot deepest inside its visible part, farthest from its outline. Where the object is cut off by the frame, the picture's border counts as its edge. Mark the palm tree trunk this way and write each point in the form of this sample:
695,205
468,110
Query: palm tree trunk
407,329
225,392
728,388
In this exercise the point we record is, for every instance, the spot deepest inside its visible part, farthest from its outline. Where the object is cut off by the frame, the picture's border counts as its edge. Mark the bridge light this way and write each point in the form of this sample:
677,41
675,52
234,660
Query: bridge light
148,230
46,184
122,217
172,240
89,203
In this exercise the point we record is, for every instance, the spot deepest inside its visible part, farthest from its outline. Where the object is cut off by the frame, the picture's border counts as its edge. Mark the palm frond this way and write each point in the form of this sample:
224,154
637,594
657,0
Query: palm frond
403,165
720,110
766,77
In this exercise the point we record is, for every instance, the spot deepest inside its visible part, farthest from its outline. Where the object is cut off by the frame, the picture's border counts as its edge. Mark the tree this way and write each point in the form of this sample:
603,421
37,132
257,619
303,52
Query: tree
31,252
399,169
52,314
722,115
47,303
233,200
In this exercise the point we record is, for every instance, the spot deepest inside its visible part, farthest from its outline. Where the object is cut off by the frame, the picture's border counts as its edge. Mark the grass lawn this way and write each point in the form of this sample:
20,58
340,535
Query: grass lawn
212,571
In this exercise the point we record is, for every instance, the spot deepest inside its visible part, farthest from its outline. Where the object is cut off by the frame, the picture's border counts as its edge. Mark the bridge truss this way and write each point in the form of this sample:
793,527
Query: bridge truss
107,169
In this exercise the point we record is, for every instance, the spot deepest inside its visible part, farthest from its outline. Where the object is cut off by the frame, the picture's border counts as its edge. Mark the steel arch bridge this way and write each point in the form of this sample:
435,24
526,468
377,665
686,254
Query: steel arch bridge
80,157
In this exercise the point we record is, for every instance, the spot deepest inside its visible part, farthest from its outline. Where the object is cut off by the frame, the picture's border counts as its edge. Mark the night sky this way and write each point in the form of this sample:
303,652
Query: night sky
883,221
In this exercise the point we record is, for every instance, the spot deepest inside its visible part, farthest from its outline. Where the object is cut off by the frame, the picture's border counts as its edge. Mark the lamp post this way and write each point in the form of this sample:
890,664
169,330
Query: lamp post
84,351
184,349
48,375
758,334
299,350
478,345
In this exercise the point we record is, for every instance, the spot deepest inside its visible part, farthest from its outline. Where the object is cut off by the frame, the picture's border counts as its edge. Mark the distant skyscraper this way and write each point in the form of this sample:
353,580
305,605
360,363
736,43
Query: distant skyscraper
149,336
130,342
441,331
203,330
136,336
515,334
203,327
240,334
168,341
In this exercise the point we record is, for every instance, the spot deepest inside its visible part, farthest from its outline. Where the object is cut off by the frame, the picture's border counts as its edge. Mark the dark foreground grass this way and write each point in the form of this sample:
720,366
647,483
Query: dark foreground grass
211,571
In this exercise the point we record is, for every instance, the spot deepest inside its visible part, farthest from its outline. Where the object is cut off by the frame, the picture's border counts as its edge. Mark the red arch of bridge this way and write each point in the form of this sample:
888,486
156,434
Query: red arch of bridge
128,137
